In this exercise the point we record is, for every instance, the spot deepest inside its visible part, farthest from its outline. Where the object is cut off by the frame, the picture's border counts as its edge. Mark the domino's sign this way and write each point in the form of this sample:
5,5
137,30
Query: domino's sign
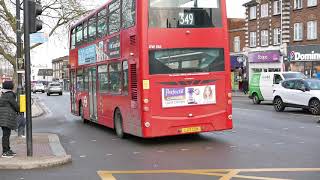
304,53
297,56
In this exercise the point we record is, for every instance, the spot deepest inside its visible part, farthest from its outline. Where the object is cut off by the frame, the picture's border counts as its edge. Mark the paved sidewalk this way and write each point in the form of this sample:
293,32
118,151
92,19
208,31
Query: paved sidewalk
47,152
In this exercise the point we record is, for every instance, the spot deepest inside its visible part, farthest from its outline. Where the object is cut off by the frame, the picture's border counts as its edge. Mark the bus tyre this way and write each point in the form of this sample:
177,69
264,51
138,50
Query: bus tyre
278,104
255,99
118,124
314,107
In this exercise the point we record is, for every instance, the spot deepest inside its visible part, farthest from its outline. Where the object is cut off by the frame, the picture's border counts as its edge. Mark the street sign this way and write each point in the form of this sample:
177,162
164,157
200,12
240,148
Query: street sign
20,64
38,37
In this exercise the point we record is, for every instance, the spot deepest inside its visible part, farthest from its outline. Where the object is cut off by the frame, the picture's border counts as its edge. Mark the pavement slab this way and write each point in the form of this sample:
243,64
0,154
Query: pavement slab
47,152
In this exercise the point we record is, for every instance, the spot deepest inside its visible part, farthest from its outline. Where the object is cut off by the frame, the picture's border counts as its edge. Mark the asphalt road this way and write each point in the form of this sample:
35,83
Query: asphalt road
264,143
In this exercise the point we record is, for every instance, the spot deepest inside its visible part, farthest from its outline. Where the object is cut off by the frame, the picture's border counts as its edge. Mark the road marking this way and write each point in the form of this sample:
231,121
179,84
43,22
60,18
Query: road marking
224,174
289,113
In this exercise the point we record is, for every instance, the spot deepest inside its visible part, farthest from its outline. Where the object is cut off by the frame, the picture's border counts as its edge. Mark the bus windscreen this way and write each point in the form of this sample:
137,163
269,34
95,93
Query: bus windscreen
185,13
176,61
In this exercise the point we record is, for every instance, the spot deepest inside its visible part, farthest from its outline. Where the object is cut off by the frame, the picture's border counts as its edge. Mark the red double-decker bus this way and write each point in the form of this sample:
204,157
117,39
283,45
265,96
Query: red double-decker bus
153,68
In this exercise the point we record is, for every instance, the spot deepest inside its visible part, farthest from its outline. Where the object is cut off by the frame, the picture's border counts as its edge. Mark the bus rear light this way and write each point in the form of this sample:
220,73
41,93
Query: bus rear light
229,101
230,117
146,109
147,124
146,101
229,95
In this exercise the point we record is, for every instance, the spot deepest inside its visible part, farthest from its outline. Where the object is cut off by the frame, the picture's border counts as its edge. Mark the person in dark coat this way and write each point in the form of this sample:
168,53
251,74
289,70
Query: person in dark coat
8,115
245,86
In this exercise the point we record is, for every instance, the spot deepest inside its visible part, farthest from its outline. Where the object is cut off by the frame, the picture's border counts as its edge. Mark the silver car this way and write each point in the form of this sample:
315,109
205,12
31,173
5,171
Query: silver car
54,88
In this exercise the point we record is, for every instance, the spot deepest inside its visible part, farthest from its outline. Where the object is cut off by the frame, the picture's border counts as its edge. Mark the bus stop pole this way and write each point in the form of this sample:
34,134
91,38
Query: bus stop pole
27,77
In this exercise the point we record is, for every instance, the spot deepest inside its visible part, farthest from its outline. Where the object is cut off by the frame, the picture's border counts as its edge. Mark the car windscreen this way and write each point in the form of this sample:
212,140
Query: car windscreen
293,76
313,84
175,61
185,13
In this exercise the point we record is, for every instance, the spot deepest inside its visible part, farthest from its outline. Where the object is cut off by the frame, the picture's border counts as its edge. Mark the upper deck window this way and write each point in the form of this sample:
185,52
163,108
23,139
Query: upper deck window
114,17
185,13
73,38
102,23
79,34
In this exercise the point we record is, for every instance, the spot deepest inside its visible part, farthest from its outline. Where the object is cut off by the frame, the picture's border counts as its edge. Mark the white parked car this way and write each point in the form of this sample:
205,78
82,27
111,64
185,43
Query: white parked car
298,93
39,87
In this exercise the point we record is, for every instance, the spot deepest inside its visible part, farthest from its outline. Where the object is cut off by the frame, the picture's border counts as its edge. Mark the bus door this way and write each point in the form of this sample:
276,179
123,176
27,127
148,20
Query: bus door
93,94
73,86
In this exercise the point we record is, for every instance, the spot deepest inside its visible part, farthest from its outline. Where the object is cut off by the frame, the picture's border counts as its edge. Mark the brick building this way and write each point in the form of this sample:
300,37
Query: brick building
60,71
283,35
304,46
237,43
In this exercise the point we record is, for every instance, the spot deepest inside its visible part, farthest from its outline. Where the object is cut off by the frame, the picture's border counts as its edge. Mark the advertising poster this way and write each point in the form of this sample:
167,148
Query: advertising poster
188,96
114,47
87,55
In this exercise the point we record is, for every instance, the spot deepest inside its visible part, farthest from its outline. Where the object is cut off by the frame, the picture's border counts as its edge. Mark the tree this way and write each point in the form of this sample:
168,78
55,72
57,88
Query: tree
56,15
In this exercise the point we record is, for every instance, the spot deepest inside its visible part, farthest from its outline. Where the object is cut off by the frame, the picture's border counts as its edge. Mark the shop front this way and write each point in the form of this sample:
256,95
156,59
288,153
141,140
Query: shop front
238,71
265,61
304,59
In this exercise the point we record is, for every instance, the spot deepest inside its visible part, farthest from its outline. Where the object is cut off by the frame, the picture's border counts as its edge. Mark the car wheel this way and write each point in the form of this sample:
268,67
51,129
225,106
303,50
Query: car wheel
255,99
278,104
34,92
60,94
48,94
314,107
118,124
42,91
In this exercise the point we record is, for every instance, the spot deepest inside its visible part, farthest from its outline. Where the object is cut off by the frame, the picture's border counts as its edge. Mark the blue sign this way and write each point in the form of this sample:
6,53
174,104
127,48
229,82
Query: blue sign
39,37
87,55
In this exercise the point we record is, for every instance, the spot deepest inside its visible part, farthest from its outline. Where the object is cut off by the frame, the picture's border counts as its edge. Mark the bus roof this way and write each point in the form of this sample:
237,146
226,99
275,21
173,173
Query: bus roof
91,13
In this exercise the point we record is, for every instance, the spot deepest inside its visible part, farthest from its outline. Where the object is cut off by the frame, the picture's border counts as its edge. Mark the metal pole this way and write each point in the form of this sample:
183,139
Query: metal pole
19,53
27,77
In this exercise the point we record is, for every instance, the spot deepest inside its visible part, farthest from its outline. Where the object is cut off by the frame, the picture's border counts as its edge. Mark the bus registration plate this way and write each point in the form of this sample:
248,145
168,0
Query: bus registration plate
191,130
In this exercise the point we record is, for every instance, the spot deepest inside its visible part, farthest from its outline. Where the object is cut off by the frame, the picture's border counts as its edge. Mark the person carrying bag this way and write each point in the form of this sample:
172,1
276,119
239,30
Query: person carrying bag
8,117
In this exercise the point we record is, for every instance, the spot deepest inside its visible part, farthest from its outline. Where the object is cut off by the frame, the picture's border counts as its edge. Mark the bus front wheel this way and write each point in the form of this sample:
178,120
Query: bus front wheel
118,124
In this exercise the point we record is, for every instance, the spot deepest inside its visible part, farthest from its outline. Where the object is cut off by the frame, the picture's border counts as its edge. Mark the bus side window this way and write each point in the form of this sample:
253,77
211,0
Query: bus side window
85,31
73,38
79,35
86,80
103,78
125,78
114,17
92,28
128,13
102,23
115,77
80,80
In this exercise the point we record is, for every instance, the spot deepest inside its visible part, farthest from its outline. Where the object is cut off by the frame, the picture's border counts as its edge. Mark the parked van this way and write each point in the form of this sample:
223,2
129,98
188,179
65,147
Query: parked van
262,84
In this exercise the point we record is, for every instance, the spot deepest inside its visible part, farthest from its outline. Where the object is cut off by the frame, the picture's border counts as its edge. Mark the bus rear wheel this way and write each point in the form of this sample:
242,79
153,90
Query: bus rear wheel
118,124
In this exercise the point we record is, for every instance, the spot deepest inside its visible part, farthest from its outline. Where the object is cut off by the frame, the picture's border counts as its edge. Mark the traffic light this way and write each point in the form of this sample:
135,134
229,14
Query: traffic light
35,10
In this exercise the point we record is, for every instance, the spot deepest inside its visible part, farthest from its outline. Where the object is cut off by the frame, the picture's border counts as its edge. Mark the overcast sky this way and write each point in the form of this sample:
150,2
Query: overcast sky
59,47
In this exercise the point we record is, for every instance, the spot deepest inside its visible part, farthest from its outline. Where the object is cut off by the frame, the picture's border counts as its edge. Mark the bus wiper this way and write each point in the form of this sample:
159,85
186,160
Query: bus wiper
196,3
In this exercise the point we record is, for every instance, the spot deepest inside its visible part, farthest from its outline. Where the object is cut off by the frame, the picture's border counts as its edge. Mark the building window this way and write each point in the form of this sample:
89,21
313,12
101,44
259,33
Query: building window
312,3
276,36
312,30
236,44
298,31
253,12
264,10
253,39
264,38
276,7
297,4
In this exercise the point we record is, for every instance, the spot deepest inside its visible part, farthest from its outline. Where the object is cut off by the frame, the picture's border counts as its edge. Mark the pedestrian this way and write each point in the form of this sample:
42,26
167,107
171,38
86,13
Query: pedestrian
8,114
245,85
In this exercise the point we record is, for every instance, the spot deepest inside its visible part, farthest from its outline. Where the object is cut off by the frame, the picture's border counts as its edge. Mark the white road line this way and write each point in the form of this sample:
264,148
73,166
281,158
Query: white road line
294,114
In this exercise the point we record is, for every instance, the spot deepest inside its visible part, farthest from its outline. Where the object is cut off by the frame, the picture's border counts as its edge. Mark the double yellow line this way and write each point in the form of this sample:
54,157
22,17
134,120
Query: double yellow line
224,174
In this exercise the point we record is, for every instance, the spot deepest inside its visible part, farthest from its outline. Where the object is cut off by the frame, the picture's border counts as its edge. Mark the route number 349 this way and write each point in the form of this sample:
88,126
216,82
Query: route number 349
186,19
